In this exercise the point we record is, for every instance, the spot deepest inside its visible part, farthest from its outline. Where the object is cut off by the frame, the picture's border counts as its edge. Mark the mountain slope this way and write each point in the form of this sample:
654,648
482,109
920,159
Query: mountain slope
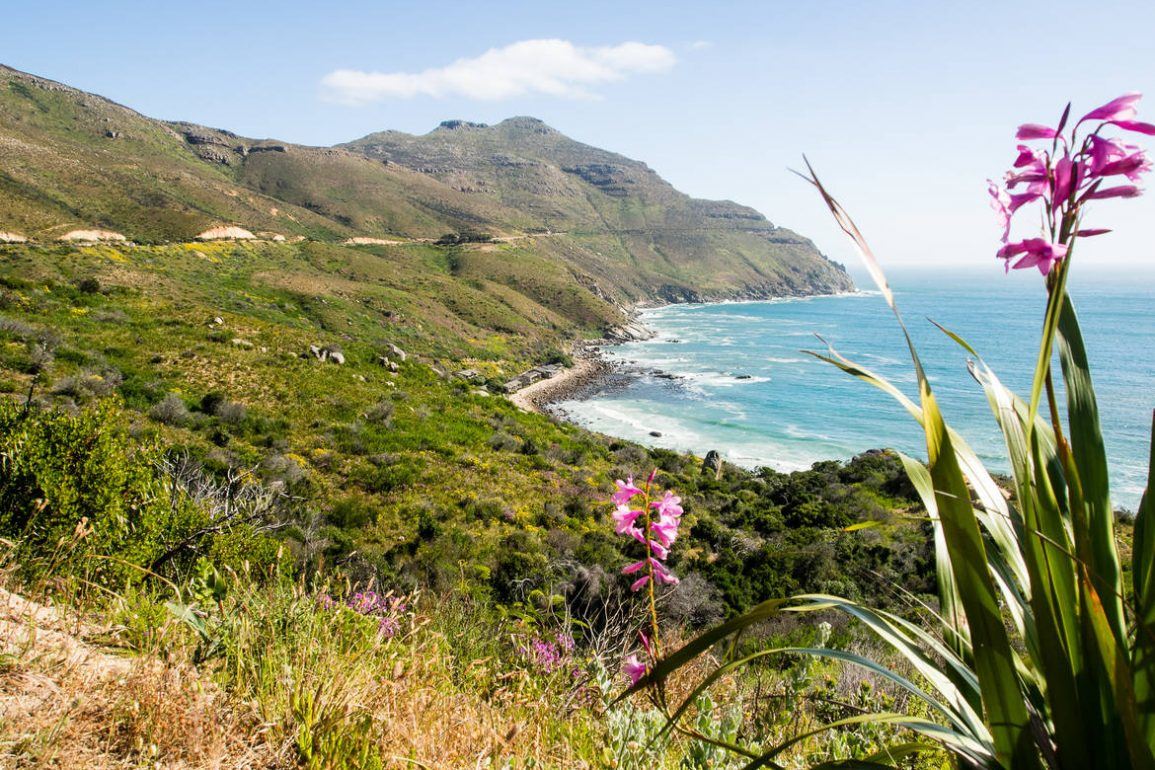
596,221
618,208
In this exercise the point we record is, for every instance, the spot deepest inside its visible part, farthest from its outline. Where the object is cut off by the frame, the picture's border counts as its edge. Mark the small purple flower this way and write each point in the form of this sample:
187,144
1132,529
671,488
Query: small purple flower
548,656
634,669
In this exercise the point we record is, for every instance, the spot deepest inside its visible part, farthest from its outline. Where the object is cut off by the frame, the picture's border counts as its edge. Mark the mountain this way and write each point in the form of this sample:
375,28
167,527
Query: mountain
564,214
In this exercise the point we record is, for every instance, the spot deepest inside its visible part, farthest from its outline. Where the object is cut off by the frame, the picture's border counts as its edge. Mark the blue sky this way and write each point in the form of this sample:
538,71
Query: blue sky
905,108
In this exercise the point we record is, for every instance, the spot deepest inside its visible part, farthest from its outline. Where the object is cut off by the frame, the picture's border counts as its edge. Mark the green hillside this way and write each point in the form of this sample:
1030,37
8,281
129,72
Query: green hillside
608,225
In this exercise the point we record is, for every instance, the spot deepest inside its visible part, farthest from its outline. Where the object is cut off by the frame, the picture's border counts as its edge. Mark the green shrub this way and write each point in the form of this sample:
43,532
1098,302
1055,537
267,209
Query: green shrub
76,492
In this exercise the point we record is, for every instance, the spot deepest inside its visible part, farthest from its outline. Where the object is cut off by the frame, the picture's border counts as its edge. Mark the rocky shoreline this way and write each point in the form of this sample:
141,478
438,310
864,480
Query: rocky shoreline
589,368
592,368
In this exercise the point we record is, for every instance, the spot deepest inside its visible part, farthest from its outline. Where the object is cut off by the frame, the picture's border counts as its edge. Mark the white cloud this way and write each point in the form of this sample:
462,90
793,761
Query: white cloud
699,45
550,67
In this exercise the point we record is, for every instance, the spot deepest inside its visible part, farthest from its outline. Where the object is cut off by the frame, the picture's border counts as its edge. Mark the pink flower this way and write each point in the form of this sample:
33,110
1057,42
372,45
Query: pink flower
1122,108
626,490
670,505
1110,157
1068,181
1122,191
637,566
1068,174
634,669
624,519
663,575
657,535
1029,131
1001,205
1037,252
1134,125
1132,166
658,550
1029,157
666,528
1005,205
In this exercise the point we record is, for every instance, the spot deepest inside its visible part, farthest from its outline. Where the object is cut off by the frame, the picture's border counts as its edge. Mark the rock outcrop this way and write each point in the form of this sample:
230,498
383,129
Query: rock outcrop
226,233
712,464
91,236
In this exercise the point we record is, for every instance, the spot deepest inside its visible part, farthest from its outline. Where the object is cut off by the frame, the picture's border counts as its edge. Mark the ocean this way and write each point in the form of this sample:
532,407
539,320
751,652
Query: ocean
733,377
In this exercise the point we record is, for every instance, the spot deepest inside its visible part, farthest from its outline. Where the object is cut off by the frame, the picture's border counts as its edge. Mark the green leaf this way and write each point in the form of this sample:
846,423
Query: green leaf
704,641
993,659
1090,458
1143,600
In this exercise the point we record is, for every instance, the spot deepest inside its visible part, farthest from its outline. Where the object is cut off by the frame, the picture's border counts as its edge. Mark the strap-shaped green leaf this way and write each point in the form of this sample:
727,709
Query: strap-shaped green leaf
1090,457
1143,602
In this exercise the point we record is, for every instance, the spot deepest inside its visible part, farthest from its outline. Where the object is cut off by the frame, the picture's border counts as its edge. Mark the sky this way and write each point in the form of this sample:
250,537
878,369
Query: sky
905,108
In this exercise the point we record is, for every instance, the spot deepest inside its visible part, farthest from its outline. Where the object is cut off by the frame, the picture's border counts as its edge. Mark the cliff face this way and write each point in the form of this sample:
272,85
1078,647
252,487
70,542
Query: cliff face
560,211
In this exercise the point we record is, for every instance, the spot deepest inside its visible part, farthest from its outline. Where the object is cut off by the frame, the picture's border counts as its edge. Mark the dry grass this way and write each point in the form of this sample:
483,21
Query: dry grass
67,703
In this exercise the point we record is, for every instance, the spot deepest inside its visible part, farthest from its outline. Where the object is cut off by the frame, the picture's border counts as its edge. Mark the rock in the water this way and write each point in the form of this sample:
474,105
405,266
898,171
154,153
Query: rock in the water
742,377
656,433
713,463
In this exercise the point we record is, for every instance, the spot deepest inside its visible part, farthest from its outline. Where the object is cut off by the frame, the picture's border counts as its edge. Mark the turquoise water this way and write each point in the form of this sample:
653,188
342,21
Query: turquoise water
731,376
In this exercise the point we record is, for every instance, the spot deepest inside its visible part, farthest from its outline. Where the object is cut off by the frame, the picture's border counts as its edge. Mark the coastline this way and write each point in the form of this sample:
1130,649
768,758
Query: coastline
591,366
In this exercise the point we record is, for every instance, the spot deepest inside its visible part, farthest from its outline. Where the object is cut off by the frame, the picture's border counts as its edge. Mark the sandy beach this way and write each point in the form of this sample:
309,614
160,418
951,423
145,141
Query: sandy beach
586,369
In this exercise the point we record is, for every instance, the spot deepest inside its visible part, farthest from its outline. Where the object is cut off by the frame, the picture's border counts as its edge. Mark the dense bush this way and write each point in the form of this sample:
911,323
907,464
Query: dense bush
80,496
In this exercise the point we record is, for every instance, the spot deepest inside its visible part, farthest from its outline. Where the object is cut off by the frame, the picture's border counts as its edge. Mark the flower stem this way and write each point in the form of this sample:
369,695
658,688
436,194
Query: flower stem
650,571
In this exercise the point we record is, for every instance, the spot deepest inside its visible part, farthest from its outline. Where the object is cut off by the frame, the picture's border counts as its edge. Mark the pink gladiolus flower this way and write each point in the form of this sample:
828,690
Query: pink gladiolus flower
1001,205
1005,205
670,505
1122,108
1132,166
626,490
1037,252
1122,191
637,566
1134,125
624,519
1029,131
1029,157
656,531
1066,180
663,575
666,528
1070,180
634,669
1104,151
